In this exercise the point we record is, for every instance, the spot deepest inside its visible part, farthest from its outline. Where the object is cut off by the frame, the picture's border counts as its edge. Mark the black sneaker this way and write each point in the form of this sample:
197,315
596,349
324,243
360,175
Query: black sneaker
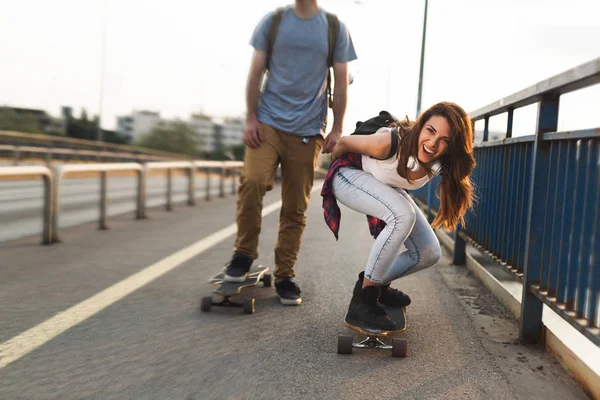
288,292
237,270
365,312
393,297
389,297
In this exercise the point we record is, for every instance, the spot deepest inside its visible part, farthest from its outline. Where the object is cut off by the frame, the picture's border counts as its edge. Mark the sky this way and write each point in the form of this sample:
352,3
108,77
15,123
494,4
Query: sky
184,56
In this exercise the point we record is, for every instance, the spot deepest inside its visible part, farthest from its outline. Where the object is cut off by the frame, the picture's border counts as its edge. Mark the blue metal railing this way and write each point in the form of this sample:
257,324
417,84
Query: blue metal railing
538,207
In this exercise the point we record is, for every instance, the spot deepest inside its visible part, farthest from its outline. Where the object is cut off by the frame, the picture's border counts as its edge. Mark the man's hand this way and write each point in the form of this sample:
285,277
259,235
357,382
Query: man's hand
252,133
339,150
331,140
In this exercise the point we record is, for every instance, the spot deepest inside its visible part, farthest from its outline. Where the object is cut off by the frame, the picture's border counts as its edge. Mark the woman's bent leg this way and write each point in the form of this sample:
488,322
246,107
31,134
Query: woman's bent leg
361,192
422,247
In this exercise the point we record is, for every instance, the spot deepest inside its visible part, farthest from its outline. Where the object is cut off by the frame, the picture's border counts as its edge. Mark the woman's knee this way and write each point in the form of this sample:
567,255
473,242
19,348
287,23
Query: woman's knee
432,254
401,217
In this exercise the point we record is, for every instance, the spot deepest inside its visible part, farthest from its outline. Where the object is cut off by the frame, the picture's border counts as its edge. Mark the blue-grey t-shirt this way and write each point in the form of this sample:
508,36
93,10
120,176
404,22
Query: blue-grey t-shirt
294,98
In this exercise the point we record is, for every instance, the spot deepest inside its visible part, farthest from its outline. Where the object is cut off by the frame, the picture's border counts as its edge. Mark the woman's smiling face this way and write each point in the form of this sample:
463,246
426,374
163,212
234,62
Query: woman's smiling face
434,139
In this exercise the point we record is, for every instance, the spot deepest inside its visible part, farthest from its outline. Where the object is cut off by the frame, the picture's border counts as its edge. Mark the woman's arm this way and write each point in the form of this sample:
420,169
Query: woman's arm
377,145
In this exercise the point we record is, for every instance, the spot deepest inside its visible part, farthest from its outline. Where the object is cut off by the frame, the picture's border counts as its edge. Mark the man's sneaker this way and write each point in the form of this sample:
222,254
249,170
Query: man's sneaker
288,292
393,297
238,267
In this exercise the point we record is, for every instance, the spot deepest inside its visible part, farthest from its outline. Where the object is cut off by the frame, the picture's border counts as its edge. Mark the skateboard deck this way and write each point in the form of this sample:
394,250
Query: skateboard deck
229,289
373,341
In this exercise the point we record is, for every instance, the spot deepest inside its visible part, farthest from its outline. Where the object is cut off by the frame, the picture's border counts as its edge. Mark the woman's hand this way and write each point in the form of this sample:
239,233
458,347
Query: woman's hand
339,149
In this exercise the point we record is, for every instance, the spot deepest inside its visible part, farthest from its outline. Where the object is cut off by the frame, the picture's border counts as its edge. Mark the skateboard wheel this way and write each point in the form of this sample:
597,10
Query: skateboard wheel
206,304
249,306
267,280
399,347
344,344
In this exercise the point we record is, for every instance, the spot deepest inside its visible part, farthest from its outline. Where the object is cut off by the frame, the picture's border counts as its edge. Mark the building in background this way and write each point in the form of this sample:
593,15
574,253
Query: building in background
215,135
138,123
204,127
233,131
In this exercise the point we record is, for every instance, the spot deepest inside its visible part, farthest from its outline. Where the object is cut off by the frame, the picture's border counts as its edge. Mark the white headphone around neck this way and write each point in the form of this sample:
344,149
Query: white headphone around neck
414,166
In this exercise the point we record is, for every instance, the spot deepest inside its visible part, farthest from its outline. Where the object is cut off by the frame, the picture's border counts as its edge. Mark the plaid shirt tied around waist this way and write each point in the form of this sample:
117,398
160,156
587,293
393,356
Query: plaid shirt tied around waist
331,210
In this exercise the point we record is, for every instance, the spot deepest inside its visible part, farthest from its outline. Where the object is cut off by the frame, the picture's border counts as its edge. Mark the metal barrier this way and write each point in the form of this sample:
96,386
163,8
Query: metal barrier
18,152
224,166
47,176
68,143
61,170
538,211
169,167
53,181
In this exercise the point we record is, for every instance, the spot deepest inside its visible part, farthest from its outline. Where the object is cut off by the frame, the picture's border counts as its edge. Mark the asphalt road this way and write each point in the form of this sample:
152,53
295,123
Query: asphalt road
152,342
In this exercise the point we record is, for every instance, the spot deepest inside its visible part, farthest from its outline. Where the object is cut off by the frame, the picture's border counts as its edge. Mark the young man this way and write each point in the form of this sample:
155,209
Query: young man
285,125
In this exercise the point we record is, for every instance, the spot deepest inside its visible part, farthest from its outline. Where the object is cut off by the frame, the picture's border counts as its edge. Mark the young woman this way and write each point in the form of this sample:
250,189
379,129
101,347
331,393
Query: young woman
371,174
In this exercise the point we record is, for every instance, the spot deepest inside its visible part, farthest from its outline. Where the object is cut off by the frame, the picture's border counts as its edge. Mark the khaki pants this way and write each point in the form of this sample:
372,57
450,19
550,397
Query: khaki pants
298,161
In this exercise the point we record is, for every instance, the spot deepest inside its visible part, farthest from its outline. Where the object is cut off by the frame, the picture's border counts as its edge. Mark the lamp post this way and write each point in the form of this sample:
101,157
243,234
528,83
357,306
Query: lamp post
422,61
102,62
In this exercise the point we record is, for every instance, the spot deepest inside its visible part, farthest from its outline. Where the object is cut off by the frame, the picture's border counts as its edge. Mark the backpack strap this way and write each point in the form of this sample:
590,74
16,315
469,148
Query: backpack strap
333,27
395,143
272,34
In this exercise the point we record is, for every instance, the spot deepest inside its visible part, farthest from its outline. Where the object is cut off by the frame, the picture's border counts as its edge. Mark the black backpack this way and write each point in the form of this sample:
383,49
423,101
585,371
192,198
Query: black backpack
372,125
333,26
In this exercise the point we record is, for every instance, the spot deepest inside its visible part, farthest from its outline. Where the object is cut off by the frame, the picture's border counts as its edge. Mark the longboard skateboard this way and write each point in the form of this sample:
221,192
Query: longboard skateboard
230,289
399,346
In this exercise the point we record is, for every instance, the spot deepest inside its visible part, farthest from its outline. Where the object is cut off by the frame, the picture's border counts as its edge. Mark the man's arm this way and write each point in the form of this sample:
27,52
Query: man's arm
340,95
252,133
340,99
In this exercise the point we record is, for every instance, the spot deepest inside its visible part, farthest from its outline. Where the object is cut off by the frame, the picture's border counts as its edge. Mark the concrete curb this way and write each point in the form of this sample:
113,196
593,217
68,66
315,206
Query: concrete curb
559,336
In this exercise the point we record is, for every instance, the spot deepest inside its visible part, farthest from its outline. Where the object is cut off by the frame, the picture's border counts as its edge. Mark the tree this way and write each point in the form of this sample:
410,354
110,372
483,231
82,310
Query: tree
81,129
238,151
10,120
176,137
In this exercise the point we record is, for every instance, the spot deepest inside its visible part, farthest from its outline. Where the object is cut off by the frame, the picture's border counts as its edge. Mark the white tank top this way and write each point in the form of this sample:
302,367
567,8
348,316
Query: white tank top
386,171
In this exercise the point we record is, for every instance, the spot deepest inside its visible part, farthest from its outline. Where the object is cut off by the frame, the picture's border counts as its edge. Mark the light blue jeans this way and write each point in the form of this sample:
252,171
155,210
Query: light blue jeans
405,224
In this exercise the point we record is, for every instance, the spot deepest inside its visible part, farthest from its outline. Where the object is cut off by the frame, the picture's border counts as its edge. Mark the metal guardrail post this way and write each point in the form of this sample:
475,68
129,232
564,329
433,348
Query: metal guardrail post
56,203
459,255
192,186
102,221
531,307
222,182
189,166
207,196
486,129
141,194
233,176
48,208
60,170
169,206
48,178
509,122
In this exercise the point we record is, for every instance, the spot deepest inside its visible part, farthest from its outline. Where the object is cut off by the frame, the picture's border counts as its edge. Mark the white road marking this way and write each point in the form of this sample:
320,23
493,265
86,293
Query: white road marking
20,345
